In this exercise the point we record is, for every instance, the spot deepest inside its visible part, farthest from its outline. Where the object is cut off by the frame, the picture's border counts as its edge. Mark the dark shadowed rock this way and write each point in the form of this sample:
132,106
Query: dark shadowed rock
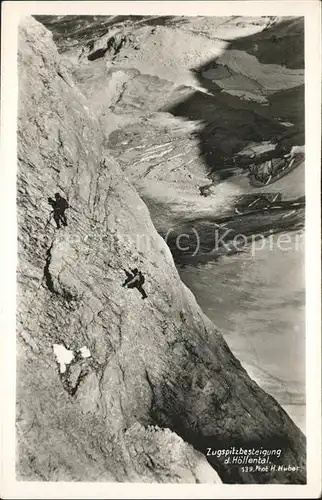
158,362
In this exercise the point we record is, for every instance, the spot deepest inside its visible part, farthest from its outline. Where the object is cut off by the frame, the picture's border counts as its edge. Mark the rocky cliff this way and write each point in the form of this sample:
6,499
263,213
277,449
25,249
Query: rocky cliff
110,386
178,97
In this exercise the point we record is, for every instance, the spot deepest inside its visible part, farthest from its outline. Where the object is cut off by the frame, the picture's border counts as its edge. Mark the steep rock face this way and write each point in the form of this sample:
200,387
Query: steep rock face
154,362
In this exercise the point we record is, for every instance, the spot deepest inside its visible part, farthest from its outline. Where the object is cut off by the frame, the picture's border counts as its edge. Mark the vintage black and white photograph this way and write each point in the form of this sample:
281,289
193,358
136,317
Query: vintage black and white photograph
160,196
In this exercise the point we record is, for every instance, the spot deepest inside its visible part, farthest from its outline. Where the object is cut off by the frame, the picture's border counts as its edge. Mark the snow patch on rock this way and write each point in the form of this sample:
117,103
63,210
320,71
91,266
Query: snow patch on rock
63,355
298,149
238,70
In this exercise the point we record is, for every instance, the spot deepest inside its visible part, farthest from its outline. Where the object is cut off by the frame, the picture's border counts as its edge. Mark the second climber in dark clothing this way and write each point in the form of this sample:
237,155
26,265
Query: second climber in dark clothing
135,279
59,205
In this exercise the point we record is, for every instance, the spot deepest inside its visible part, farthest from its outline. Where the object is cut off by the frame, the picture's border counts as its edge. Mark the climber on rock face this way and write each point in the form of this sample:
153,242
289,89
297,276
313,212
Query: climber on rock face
59,205
135,279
